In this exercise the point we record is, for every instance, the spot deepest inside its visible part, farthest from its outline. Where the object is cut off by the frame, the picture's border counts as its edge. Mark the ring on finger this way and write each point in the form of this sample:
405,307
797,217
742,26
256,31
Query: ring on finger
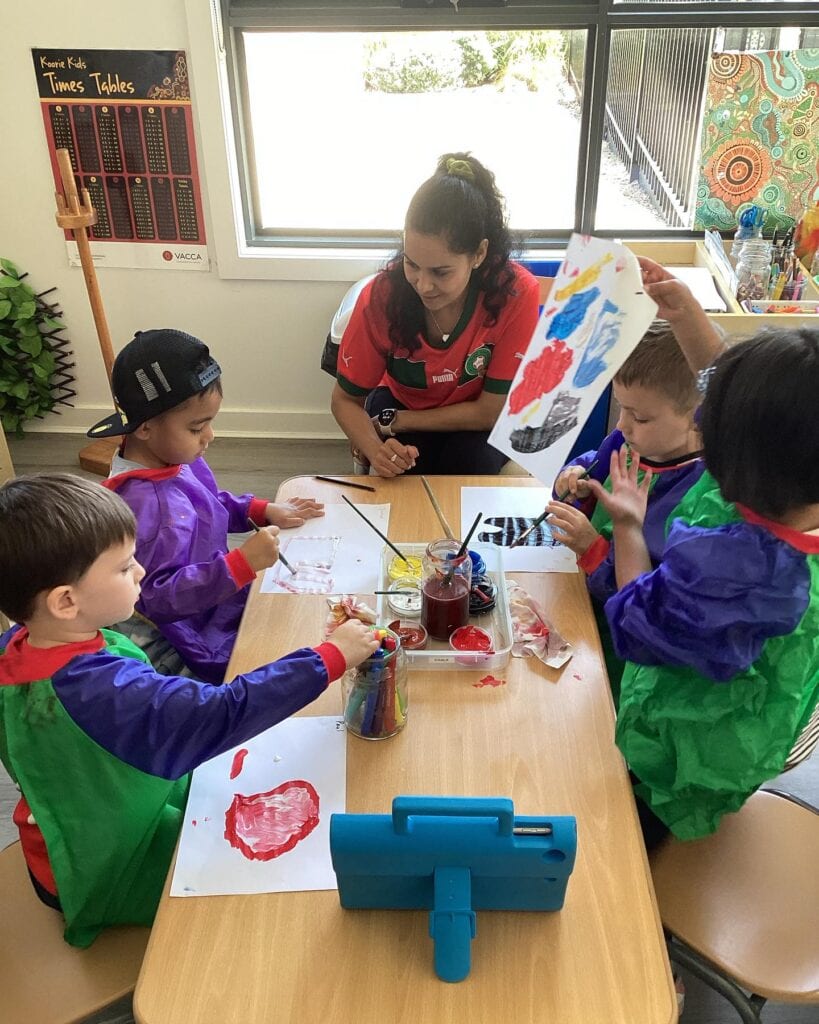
394,456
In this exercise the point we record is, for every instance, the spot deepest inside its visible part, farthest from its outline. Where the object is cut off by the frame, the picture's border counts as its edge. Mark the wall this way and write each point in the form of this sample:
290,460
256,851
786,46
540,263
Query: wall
267,335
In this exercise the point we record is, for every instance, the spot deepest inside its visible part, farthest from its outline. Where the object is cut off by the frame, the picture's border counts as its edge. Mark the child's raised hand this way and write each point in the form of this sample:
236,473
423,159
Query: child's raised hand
571,527
355,641
626,504
288,514
569,481
675,300
262,549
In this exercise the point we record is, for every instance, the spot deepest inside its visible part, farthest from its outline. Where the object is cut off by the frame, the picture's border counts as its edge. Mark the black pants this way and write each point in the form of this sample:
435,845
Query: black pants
443,454
45,896
654,830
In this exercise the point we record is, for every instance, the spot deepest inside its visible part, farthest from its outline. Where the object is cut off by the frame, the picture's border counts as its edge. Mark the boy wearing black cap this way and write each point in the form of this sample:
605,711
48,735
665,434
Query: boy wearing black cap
168,390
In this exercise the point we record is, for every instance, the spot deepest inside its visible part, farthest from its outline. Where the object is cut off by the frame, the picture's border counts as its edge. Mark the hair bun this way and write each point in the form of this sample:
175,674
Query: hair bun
460,169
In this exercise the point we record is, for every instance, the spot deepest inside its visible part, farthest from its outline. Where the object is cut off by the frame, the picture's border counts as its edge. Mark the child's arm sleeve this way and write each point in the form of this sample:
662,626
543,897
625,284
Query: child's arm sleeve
239,507
173,586
168,725
714,600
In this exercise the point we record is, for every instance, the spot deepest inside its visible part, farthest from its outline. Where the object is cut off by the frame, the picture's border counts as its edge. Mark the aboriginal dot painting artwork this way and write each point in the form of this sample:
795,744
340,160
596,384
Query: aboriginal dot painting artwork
759,137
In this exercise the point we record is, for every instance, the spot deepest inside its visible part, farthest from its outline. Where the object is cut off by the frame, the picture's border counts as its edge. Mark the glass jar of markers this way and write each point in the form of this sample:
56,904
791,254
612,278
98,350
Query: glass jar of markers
754,270
374,693
446,587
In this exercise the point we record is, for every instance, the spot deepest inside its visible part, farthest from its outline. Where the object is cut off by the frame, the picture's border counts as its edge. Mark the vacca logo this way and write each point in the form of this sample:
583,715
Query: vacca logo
180,254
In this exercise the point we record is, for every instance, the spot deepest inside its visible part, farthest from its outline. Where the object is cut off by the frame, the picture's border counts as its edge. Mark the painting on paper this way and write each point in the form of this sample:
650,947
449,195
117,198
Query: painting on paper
595,316
258,816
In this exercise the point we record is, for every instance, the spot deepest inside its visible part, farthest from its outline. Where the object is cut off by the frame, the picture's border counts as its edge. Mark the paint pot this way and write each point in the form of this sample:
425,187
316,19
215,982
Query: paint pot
474,640
445,593
374,693
409,566
482,596
478,564
404,597
413,636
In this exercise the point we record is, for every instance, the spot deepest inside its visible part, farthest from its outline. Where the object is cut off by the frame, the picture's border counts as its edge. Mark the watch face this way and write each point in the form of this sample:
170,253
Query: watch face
386,416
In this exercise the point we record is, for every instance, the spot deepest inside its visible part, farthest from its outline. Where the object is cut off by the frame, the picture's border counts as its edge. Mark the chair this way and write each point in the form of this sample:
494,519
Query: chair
42,978
740,907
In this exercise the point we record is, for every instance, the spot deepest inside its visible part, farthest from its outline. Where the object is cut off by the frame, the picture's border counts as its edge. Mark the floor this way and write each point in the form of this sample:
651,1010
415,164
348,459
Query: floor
259,466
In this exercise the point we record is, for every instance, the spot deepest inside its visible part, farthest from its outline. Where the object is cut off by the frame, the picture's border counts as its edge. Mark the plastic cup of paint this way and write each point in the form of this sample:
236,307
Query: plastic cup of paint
411,565
412,635
404,597
473,644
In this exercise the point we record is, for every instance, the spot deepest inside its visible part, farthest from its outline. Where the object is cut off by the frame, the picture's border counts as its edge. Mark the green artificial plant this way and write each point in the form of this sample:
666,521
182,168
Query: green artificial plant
34,373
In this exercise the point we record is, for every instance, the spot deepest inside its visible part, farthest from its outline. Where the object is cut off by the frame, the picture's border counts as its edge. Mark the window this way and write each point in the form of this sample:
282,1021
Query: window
589,113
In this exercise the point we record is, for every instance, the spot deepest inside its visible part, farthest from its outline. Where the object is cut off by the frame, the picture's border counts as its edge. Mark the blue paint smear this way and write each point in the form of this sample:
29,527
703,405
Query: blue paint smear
604,337
569,319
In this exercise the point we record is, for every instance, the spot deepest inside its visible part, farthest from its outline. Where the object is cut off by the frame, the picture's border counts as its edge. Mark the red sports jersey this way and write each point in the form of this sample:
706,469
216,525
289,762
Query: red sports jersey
475,356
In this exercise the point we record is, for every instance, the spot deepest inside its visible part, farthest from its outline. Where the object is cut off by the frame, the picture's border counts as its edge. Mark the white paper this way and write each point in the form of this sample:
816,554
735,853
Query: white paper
296,751
506,513
352,568
595,315
702,286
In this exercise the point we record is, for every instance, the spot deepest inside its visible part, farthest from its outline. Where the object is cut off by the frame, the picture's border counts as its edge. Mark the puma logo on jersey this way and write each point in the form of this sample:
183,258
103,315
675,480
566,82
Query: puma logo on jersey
443,378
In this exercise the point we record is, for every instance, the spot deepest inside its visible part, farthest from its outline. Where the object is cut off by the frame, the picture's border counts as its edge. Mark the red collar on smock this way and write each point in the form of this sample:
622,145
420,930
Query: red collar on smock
164,473
806,542
22,663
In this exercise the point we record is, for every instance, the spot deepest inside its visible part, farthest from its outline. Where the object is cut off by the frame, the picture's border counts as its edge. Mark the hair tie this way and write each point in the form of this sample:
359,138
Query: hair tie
460,169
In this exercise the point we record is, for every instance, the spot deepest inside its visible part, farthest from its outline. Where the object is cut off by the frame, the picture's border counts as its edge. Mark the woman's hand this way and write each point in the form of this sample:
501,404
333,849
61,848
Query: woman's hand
569,482
626,504
393,458
571,527
289,514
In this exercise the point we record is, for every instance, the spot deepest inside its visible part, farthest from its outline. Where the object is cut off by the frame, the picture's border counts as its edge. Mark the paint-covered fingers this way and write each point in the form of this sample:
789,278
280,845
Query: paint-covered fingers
571,527
262,549
394,458
355,641
569,482
288,514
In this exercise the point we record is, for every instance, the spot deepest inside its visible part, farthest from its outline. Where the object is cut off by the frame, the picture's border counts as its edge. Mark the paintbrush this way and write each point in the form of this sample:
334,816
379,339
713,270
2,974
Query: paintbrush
372,526
441,517
545,515
462,549
282,559
343,483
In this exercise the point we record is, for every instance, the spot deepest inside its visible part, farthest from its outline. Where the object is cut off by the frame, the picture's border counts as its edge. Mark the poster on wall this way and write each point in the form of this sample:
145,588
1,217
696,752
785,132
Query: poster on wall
760,137
125,118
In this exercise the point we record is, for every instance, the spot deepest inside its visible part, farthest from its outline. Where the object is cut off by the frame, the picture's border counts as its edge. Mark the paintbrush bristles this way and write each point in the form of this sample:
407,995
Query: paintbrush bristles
441,517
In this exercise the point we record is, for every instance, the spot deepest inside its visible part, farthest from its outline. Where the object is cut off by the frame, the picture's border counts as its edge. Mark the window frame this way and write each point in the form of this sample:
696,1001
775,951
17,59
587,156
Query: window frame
332,258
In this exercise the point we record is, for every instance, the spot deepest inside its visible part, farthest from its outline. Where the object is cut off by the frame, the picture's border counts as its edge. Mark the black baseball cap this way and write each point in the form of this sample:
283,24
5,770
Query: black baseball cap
155,372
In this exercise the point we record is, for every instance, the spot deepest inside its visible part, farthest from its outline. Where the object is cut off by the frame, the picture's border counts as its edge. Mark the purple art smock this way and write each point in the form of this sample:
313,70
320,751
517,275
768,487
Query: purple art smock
194,590
671,482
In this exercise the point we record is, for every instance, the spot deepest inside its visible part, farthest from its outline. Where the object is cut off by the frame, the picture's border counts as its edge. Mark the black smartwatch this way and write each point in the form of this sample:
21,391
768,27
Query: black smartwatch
383,422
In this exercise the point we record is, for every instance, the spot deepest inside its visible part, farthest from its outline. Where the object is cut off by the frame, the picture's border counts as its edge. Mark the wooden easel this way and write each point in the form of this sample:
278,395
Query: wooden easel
76,217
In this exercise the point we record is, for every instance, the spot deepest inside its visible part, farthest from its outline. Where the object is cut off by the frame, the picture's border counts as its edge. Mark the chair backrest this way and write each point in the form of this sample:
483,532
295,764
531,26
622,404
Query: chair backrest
42,978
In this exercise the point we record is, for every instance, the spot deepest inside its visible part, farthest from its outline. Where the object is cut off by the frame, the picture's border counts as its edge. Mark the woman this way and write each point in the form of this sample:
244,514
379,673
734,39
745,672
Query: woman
436,337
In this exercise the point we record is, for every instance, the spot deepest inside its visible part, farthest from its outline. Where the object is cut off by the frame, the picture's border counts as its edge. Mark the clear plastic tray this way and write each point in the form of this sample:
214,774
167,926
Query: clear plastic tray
438,655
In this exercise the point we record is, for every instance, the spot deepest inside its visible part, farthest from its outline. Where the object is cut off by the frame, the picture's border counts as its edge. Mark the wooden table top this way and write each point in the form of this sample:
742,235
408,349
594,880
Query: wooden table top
545,739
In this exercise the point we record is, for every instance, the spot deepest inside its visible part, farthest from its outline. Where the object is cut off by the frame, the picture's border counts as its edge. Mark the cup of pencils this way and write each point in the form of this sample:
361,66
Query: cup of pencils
374,693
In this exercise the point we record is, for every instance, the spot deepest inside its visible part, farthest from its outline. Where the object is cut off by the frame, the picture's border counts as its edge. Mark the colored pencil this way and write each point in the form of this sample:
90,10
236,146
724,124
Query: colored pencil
282,559
544,515
372,526
343,483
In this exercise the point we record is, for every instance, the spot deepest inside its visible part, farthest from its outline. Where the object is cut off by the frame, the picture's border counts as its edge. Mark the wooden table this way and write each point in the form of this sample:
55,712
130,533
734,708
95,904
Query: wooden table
545,739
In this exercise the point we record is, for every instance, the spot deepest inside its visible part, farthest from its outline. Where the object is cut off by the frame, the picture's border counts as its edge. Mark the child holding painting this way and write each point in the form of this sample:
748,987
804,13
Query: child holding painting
168,391
99,743
719,634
